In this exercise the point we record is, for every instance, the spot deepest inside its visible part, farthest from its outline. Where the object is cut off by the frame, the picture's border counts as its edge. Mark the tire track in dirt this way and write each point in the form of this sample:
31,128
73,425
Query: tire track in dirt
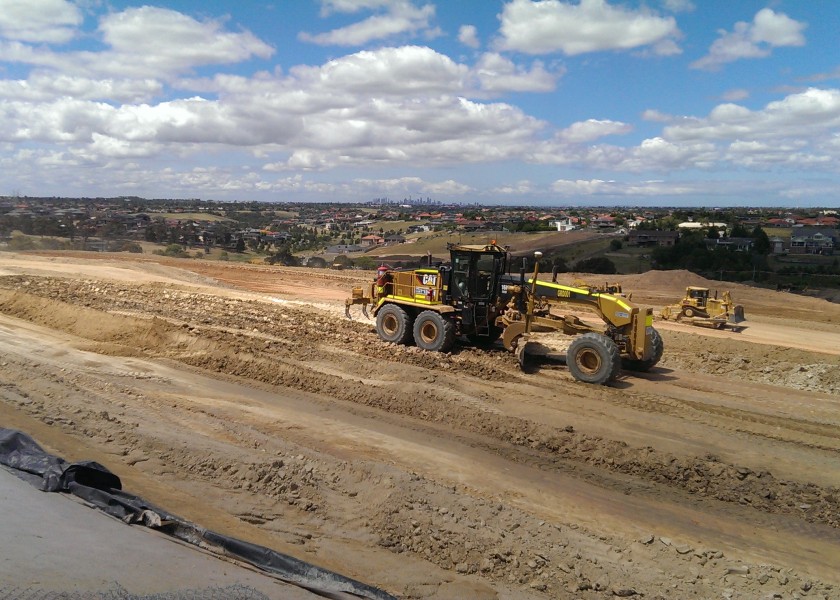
243,356
267,347
789,430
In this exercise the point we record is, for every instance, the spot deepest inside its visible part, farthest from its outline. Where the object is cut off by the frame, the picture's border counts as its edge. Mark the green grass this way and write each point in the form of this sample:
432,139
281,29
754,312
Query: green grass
630,259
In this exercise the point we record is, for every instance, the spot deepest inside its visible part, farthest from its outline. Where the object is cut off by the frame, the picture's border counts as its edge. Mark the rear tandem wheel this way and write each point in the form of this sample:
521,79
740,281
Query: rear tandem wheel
393,324
632,364
433,332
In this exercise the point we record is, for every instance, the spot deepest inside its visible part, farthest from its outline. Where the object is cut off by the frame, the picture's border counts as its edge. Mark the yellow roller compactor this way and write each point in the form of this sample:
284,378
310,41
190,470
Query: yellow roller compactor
476,297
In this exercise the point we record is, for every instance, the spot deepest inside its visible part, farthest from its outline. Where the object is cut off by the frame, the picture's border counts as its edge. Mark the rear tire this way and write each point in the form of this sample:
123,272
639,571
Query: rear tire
593,358
647,365
433,332
393,324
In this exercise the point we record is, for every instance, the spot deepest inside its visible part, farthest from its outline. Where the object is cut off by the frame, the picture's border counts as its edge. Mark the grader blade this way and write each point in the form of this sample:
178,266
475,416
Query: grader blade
521,353
536,348
738,315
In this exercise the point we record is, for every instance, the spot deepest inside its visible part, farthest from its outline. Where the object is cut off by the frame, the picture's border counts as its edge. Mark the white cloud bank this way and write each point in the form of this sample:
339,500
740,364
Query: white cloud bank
768,30
396,17
50,21
549,26
134,116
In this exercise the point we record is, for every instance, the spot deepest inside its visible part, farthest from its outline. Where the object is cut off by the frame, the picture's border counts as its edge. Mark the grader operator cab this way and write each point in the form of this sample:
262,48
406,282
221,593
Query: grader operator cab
699,307
475,296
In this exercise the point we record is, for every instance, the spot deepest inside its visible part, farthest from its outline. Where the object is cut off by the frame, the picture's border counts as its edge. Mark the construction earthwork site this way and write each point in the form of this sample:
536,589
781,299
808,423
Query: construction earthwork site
241,398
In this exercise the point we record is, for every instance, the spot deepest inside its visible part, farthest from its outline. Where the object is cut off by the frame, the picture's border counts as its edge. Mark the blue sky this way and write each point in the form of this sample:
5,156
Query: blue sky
551,102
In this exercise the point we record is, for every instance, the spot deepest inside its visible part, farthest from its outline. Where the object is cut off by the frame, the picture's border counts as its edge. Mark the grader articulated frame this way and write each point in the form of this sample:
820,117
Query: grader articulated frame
474,296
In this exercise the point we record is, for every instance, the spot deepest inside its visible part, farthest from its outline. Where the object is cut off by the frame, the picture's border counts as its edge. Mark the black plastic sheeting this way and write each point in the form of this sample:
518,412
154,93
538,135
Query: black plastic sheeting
97,485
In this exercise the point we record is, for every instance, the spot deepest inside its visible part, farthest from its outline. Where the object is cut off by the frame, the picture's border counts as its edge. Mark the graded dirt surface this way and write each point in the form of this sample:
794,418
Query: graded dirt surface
238,396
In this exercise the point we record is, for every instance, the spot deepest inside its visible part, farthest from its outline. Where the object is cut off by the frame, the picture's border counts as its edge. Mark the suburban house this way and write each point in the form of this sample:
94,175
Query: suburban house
344,248
813,241
699,225
777,245
470,225
652,237
603,222
739,244
372,240
563,224
780,222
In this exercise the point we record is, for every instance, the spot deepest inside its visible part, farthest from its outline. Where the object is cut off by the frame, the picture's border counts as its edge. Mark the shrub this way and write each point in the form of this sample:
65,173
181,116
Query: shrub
597,264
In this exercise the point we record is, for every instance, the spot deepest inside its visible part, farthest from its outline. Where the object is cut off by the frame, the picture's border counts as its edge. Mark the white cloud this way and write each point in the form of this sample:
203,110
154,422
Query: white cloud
167,40
571,188
49,21
549,26
658,154
796,133
735,95
43,87
814,112
768,30
833,74
777,29
657,116
402,71
567,187
497,73
592,129
146,42
394,108
468,35
103,146
390,106
400,17
678,5
523,187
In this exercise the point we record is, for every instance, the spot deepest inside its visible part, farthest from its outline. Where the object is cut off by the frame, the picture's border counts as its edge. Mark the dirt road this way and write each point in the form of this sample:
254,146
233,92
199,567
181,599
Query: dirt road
239,397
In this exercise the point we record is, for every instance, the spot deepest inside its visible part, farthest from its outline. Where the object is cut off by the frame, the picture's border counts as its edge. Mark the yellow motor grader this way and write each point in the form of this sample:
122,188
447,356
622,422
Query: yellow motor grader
475,296
699,307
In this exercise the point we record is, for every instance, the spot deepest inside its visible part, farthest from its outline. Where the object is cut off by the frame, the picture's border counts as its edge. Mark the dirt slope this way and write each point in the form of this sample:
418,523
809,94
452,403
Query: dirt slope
239,397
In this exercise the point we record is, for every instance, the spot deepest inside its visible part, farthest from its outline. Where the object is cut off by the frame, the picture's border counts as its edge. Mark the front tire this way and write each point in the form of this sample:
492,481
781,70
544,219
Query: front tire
647,365
393,324
593,358
433,332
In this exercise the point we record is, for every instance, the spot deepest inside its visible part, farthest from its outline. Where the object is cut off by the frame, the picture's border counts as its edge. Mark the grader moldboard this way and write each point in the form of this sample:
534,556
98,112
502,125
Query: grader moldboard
475,296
